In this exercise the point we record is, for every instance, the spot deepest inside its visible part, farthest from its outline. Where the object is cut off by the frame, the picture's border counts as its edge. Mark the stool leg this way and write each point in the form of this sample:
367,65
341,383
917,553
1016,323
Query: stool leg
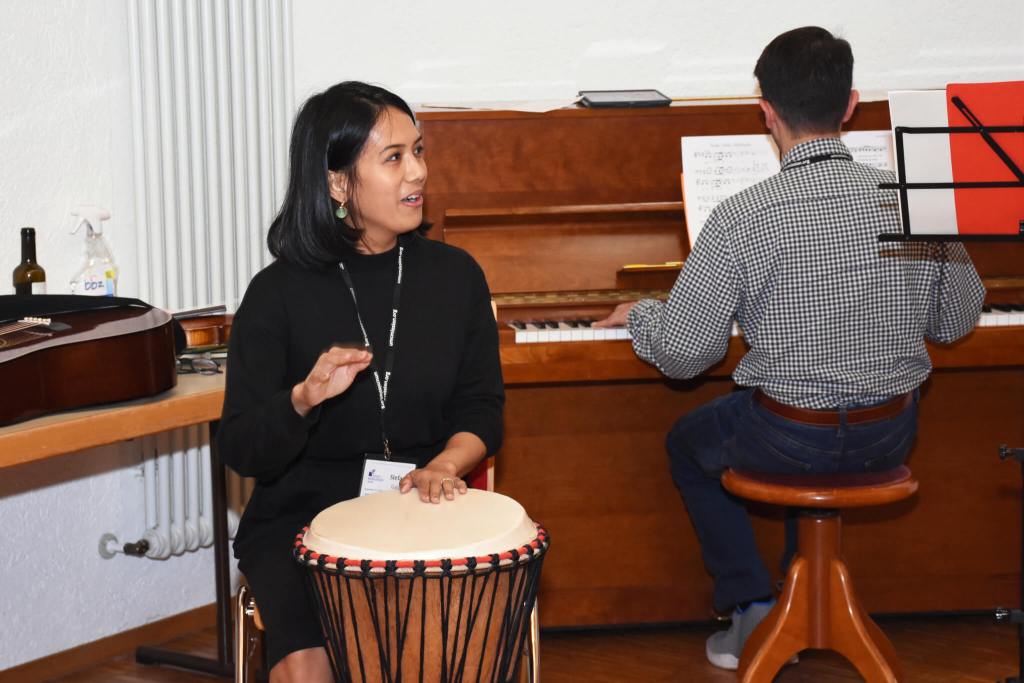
529,671
241,661
535,644
856,636
818,609
784,632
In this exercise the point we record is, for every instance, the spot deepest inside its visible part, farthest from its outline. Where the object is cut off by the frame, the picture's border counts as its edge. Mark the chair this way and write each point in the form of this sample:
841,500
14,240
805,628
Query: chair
248,625
818,608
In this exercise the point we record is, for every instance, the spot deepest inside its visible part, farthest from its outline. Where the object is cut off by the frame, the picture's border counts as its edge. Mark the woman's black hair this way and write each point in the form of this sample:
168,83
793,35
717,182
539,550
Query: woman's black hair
329,134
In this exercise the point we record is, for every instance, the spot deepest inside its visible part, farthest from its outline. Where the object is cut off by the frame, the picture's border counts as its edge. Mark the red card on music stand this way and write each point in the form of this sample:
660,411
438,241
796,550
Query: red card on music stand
989,211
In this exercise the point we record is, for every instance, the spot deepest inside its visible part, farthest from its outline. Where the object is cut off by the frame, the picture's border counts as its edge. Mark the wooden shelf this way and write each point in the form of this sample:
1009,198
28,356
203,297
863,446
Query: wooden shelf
195,399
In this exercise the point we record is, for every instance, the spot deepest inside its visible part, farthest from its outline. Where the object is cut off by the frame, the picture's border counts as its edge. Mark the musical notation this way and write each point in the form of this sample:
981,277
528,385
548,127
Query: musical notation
715,167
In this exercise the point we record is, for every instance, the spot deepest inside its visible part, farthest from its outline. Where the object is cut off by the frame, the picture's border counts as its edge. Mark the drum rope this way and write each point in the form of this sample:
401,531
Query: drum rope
495,595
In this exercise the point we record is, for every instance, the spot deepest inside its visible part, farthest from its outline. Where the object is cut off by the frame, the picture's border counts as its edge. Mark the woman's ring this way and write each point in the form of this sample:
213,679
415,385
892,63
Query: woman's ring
444,479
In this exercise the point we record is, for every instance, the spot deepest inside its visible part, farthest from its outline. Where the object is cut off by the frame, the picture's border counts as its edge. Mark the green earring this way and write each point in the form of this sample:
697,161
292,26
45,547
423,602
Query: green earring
342,212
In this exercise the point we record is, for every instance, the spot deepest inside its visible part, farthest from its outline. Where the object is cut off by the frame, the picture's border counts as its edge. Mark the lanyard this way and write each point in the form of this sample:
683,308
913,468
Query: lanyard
389,361
817,159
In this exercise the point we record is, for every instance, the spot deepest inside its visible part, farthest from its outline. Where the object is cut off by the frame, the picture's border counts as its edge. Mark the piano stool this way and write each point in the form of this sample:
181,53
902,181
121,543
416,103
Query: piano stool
818,608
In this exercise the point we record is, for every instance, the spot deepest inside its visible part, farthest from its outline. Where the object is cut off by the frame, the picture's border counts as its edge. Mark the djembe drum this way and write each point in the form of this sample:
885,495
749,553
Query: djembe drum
412,591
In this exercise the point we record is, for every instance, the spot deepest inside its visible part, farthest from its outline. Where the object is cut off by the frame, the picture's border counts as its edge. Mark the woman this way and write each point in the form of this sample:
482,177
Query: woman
362,338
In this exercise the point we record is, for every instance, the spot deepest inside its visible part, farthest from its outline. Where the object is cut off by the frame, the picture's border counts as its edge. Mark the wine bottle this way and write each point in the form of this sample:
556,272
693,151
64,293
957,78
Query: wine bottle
29,276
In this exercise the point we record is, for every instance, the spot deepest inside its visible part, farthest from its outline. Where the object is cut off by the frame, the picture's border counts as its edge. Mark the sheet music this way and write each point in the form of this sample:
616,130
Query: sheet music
715,167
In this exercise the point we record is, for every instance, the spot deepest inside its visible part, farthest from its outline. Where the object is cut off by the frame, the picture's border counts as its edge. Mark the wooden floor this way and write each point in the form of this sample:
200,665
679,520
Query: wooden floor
939,649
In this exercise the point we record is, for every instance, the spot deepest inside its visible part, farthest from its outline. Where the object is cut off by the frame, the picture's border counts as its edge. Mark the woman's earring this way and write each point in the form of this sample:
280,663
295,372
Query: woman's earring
341,212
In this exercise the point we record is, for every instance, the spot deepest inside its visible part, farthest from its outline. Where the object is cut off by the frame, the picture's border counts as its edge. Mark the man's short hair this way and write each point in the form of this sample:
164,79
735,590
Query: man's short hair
806,74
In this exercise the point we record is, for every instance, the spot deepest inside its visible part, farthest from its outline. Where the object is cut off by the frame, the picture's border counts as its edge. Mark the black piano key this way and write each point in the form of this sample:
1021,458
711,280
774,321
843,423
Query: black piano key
551,324
518,324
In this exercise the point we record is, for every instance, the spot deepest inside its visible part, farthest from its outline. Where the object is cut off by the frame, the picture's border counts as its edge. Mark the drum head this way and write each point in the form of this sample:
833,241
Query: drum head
395,526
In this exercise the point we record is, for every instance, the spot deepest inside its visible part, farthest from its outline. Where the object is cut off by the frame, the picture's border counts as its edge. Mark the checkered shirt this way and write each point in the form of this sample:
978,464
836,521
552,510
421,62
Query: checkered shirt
831,315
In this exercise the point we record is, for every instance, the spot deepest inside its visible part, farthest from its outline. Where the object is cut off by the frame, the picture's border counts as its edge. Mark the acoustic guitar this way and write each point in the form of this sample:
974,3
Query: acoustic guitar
74,359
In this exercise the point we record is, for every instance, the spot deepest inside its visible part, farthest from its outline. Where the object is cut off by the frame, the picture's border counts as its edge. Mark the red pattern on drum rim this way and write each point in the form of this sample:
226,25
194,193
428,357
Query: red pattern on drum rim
309,556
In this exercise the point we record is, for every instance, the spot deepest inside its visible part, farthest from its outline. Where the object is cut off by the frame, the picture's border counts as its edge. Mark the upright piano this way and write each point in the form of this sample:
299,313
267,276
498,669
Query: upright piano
559,208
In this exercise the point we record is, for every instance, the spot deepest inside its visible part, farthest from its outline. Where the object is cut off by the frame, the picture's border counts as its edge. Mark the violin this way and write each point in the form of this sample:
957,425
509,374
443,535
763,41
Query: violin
207,332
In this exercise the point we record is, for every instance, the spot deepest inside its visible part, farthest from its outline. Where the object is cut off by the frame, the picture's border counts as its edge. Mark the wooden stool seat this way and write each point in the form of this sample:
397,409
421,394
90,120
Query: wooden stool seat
818,608
823,490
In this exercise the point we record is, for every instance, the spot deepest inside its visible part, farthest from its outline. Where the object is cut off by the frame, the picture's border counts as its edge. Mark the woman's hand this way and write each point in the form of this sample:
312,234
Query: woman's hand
332,374
436,479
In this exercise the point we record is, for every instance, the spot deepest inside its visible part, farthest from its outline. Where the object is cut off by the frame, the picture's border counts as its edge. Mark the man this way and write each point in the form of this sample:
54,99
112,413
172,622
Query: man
835,321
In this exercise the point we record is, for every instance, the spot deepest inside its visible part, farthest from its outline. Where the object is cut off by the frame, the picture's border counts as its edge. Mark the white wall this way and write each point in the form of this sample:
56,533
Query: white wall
65,129
468,50
65,132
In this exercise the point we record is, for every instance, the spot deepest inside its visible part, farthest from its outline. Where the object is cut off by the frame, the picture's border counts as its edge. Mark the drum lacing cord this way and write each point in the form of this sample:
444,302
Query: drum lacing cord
522,591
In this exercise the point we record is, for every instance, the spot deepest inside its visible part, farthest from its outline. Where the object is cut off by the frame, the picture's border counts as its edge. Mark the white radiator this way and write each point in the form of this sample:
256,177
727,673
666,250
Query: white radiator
212,101
179,494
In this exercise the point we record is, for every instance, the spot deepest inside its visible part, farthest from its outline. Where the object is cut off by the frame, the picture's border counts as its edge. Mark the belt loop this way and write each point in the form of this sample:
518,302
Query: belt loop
841,428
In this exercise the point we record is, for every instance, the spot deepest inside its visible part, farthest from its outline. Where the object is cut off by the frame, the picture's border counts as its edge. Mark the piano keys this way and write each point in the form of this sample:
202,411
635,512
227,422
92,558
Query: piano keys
1001,315
572,330
582,330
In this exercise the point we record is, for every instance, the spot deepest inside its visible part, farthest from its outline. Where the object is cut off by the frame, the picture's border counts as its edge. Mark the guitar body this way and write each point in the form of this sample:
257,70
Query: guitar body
101,356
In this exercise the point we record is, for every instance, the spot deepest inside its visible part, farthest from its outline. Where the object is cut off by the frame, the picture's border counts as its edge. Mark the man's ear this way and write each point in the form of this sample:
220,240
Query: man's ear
771,119
851,105
337,184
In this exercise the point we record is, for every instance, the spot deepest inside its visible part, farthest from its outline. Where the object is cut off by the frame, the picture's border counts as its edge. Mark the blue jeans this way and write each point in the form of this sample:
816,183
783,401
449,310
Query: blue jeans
736,431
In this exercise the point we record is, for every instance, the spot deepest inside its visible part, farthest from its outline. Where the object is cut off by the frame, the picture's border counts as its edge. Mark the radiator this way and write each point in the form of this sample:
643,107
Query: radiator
212,100
179,495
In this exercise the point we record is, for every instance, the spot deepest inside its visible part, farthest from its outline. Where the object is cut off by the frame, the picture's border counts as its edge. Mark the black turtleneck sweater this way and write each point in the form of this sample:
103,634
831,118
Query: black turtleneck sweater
446,376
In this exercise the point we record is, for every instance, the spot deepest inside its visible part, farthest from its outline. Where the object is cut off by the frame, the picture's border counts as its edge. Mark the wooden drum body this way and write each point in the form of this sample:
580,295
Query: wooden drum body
410,591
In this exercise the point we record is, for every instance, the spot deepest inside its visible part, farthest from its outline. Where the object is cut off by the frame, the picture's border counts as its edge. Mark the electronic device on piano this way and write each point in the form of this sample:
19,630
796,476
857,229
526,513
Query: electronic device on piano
66,358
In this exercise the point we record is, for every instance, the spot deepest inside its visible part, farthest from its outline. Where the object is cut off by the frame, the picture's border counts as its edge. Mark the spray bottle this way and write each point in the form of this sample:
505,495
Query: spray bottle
98,275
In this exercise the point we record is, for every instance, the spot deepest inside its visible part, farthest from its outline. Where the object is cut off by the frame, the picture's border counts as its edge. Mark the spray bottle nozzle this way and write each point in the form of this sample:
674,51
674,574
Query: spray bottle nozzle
92,216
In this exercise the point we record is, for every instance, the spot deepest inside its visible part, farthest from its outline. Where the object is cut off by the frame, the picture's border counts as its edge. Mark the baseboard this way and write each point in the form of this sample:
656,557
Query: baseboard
98,651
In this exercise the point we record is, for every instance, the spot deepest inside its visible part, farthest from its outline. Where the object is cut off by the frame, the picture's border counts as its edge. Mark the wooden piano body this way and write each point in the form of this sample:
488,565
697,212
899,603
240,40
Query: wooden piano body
558,203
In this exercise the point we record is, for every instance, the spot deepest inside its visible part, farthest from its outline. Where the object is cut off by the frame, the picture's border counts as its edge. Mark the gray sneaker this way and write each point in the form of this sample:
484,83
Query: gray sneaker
725,647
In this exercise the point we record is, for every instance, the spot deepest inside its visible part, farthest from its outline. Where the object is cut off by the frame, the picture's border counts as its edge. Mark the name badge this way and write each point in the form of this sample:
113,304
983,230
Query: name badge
382,475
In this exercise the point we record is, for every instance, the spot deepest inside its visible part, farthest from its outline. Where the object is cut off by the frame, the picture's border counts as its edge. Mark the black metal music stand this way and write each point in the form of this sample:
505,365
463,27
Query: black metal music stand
976,128
1002,614
1016,616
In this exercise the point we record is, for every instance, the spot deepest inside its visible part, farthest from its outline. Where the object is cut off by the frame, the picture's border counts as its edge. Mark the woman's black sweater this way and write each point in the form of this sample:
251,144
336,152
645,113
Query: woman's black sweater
446,376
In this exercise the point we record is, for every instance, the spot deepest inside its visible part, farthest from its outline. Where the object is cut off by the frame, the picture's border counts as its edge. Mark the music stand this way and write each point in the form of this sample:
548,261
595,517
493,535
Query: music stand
1015,616
976,127
904,187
